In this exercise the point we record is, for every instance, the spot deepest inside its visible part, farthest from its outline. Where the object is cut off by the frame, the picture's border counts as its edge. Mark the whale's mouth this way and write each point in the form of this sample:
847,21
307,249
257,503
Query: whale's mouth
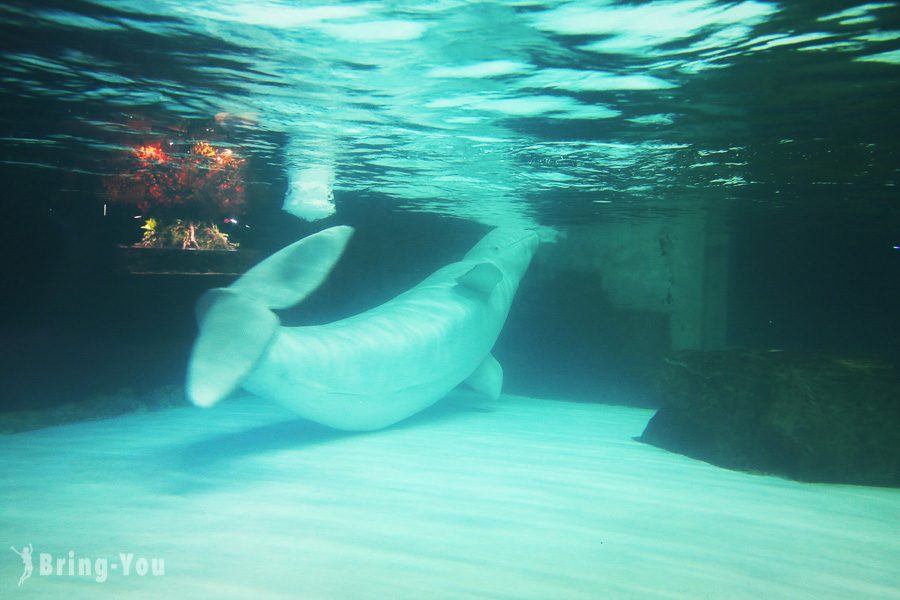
529,237
523,241
511,238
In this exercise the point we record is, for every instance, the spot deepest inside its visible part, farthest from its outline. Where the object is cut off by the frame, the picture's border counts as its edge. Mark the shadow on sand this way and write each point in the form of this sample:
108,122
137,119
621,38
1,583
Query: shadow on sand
221,458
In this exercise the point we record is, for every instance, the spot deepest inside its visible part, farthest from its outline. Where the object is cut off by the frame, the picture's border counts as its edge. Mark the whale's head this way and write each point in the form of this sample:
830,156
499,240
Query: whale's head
510,249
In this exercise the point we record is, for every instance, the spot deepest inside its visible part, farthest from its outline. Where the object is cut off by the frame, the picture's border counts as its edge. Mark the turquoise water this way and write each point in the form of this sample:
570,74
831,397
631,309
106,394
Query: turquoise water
703,175
496,111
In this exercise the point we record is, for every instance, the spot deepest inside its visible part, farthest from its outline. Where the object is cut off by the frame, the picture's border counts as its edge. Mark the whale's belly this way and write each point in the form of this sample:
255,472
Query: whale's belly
379,367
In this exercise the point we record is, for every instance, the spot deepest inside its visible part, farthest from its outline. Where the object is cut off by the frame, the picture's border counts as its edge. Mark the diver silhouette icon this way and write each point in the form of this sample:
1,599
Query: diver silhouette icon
25,553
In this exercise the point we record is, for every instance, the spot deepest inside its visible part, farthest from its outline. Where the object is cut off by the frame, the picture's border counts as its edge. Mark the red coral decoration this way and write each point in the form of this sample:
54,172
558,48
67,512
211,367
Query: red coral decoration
202,185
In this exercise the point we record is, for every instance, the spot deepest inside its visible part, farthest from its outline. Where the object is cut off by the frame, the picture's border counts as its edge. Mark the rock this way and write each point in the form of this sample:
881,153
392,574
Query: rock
810,418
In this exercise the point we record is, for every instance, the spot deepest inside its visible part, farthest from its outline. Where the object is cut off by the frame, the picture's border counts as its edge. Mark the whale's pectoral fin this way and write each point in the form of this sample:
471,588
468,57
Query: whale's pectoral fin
487,378
235,331
293,273
482,278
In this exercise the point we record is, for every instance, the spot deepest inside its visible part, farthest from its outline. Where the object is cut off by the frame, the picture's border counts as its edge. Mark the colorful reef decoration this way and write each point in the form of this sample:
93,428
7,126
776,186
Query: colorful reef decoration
182,195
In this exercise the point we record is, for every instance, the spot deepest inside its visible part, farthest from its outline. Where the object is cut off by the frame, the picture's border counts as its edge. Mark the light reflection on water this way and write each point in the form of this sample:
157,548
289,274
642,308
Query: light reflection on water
498,112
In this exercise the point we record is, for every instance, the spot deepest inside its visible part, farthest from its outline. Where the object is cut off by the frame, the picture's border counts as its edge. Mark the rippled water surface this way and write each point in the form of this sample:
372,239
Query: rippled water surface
495,111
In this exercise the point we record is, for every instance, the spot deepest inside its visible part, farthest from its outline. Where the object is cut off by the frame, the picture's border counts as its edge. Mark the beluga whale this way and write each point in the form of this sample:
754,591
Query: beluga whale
370,370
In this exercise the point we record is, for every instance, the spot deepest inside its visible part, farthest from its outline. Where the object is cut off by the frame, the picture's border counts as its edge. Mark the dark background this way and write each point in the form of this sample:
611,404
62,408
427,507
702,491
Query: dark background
73,326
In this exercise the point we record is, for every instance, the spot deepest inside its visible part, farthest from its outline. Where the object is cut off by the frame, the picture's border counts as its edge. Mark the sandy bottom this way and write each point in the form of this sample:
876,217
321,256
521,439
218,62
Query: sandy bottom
519,498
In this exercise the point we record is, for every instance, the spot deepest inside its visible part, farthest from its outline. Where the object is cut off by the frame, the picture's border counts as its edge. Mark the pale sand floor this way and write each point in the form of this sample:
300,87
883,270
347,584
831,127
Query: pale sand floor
518,498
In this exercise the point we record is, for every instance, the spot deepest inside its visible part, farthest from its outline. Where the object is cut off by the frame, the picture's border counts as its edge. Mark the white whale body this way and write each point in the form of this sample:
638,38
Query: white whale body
370,370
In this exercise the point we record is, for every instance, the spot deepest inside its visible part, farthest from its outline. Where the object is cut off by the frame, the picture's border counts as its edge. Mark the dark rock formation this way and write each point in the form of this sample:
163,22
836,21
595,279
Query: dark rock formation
810,418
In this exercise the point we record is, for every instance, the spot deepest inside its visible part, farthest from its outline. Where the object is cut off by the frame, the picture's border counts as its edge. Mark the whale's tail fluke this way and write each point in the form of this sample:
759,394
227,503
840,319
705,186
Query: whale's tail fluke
294,272
237,324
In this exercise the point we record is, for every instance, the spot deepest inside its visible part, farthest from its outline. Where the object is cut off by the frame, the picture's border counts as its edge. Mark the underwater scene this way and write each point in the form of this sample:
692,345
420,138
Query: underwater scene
450,299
